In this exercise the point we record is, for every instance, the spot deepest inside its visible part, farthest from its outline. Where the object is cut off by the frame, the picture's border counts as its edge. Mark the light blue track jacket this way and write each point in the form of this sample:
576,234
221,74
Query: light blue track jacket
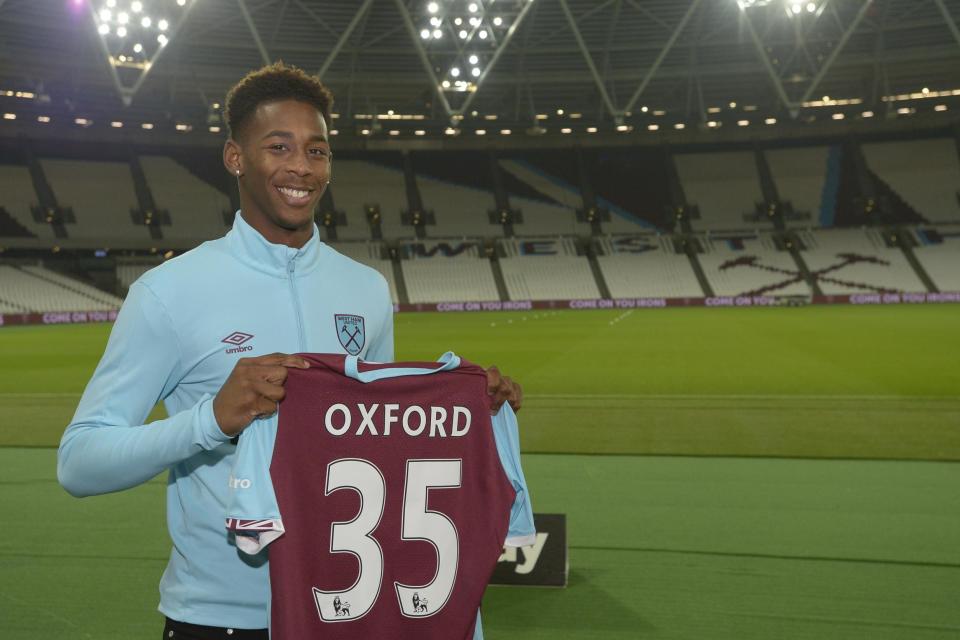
178,336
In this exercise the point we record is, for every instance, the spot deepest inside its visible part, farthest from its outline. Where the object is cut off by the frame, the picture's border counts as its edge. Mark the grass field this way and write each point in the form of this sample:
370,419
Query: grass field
728,473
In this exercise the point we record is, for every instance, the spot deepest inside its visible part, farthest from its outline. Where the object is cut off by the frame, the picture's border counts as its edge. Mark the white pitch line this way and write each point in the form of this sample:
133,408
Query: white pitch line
39,394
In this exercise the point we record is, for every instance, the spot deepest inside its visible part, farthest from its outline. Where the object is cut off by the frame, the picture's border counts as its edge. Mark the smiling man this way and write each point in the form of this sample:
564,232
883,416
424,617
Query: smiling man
210,334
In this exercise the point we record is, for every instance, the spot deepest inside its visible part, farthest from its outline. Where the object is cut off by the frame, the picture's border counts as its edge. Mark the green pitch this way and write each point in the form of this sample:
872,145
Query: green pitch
746,543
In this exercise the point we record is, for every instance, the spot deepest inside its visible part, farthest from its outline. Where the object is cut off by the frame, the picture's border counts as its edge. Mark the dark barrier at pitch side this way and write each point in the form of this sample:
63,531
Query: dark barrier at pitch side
542,564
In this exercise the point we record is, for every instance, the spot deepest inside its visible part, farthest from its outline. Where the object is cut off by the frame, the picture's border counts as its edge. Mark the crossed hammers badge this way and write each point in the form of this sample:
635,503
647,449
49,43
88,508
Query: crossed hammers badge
819,275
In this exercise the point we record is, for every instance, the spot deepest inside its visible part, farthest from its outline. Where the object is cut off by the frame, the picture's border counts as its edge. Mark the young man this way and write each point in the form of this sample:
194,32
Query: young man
191,333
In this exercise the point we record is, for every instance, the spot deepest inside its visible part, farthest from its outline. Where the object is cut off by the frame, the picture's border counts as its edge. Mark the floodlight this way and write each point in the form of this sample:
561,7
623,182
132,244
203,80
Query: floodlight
505,132
103,29
145,22
433,7
425,34
455,72
121,32
566,130
43,119
481,132
483,34
771,121
474,59
463,34
653,127
437,34
162,39
105,15
162,25
9,116
473,7
435,21
116,124
137,48
123,17
497,21
136,6
591,129
475,72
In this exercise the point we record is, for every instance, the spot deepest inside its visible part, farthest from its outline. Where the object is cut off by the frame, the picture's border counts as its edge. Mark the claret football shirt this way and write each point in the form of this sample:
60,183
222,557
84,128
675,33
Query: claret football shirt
386,493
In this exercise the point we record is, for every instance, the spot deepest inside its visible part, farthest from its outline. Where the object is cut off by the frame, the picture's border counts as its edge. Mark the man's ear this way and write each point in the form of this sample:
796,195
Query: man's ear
233,158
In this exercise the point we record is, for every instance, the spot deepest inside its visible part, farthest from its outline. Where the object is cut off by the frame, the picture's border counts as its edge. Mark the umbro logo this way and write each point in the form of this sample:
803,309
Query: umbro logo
238,339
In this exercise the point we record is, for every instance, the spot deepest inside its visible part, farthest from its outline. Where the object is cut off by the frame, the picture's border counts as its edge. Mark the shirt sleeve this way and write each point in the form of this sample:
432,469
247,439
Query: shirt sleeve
107,447
252,510
507,436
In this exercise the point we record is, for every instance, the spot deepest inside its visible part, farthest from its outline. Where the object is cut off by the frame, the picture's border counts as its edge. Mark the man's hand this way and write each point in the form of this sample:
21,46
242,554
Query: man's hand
254,388
502,389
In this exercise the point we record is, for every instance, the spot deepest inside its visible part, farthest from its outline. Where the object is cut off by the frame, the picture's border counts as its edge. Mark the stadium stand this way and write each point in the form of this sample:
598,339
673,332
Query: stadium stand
559,275
440,279
938,251
196,208
101,195
724,185
33,288
459,210
17,196
847,261
357,183
749,266
803,178
554,212
925,173
370,254
127,273
632,184
646,267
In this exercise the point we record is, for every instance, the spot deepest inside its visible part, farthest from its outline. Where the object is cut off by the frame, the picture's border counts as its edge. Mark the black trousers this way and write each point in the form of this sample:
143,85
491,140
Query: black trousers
174,630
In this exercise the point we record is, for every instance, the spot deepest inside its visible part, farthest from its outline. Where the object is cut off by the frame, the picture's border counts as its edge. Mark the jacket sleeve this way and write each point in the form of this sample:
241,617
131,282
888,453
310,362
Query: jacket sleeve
382,349
107,447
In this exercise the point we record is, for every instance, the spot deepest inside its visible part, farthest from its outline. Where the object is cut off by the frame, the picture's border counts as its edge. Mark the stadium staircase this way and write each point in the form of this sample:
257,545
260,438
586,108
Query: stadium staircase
55,215
597,271
905,241
145,199
690,246
403,297
498,278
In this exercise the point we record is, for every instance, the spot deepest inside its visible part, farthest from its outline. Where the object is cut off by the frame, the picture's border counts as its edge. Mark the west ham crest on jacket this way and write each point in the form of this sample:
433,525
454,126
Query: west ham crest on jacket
350,331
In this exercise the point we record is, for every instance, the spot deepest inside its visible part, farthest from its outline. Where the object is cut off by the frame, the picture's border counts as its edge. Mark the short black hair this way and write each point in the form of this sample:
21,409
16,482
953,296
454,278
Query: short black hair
277,81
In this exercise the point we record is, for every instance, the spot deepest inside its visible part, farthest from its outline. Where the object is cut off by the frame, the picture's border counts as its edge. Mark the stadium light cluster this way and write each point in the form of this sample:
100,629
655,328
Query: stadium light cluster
793,8
134,30
474,27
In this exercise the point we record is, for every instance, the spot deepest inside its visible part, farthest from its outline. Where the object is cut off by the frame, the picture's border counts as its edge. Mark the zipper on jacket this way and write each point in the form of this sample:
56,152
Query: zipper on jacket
291,266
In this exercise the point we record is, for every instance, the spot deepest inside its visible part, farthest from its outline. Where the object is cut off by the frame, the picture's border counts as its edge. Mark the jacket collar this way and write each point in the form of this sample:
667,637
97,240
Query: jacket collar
251,248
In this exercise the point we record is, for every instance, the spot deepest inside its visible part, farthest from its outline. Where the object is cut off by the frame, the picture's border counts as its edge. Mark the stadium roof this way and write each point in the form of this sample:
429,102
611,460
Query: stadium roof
408,65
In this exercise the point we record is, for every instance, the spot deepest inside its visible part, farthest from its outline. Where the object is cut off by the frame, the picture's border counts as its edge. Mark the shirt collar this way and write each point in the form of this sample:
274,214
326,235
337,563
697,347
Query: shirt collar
251,248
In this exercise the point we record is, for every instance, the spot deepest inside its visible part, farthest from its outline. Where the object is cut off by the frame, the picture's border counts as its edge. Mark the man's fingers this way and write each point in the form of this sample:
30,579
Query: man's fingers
279,359
272,392
493,380
274,374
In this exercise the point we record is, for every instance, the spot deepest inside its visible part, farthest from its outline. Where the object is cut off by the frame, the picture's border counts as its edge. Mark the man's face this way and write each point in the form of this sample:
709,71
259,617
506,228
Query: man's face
285,166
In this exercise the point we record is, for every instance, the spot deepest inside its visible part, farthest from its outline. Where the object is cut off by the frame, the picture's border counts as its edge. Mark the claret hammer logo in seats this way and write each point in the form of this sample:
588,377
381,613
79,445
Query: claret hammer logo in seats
238,339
